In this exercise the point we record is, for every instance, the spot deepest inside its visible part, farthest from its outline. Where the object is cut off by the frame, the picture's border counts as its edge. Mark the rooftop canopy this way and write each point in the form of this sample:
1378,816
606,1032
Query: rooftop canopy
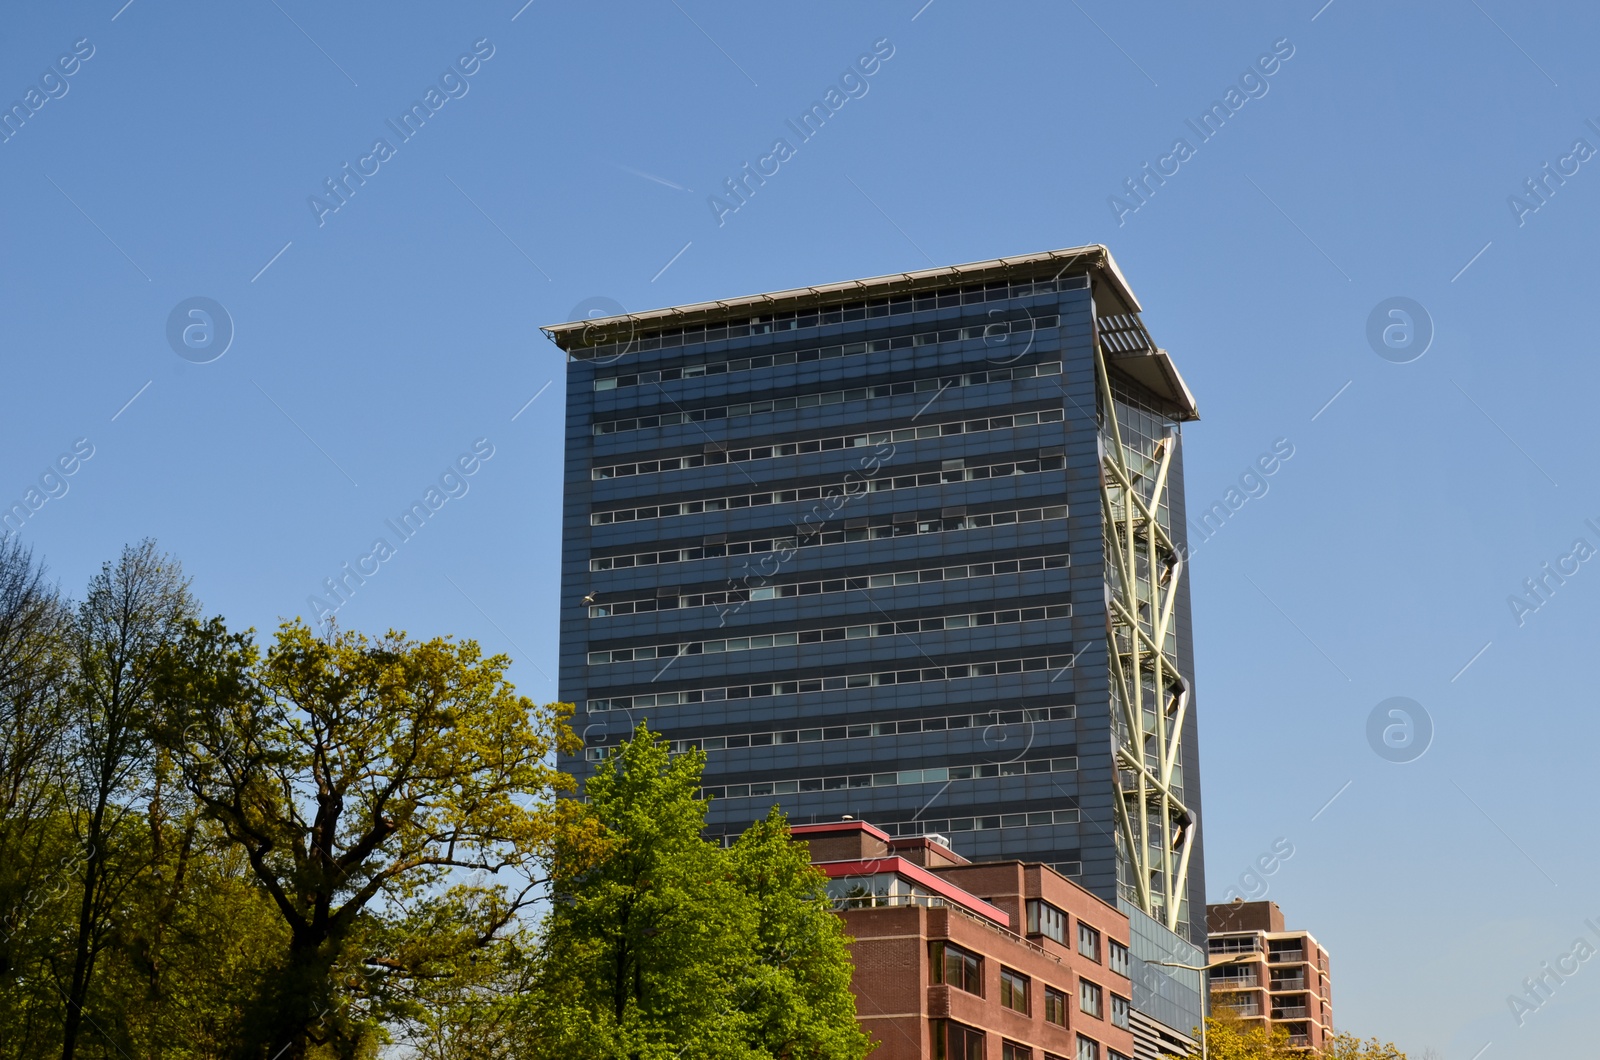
1131,351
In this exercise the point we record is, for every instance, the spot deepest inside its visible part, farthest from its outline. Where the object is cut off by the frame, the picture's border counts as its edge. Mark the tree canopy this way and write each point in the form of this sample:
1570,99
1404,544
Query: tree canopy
337,846
358,777
332,846
672,946
1230,1037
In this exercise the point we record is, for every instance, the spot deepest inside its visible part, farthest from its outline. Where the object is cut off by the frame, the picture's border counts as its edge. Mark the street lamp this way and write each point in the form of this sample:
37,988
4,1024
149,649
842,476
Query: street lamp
1205,984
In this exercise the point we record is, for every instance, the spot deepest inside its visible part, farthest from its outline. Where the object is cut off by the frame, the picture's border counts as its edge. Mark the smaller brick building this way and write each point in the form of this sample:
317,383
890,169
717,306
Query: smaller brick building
1000,960
1268,974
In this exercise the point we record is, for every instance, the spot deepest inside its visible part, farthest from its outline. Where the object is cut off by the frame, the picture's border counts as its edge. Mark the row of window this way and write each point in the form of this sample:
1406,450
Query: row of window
823,445
952,1041
930,775
994,822
621,337
880,890
994,330
955,1041
832,397
883,891
1234,944
869,630
950,471
953,966
991,823
741,595
1140,419
871,531
957,672
987,719
1051,922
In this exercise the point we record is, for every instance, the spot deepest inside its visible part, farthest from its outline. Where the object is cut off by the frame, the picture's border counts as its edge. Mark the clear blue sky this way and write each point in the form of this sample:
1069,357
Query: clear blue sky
382,343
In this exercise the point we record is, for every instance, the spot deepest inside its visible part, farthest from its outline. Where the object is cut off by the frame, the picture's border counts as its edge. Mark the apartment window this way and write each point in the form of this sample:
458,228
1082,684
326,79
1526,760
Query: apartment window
952,1041
910,480
834,397
1014,990
871,532
1117,955
1234,944
699,369
958,672
1112,1054
1088,1048
704,596
875,729
668,464
956,967
1055,1007
1013,1051
1089,942
1119,1012
1045,919
892,628
1091,999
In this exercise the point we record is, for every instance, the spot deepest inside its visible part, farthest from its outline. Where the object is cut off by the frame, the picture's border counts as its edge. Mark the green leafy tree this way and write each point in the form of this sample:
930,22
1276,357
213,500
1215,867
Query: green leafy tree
124,928
640,948
185,957
133,612
36,858
361,779
672,947
469,1010
798,992
1228,1037
1342,1046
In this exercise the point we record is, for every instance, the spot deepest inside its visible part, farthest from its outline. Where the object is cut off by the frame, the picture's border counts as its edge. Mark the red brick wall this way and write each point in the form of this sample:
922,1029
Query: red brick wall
893,977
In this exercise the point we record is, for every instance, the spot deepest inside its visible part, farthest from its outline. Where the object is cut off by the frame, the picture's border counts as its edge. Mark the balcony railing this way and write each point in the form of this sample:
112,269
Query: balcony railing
1245,1010
1297,983
1302,1041
869,901
1236,982
1235,946
1295,1013
1287,957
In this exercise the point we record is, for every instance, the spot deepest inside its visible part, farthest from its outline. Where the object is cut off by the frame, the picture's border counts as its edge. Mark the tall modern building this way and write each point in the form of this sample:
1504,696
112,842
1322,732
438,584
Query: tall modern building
909,549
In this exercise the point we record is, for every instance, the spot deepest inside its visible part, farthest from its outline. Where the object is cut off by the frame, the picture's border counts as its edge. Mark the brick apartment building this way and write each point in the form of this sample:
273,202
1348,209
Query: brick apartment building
1268,974
999,960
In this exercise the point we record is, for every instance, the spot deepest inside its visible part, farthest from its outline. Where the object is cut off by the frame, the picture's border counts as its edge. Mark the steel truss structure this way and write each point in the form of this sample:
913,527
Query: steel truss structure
1149,696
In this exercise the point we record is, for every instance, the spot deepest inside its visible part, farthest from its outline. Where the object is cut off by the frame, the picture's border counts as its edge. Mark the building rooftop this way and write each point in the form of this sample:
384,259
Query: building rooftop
1072,261
1123,336
1244,916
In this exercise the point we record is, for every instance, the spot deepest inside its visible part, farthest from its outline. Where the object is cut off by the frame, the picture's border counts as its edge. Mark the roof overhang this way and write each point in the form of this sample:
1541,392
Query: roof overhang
833,827
1095,260
1128,347
1154,370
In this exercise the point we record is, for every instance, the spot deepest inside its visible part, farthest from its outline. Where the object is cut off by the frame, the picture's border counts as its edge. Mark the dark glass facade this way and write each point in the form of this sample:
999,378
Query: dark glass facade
849,541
